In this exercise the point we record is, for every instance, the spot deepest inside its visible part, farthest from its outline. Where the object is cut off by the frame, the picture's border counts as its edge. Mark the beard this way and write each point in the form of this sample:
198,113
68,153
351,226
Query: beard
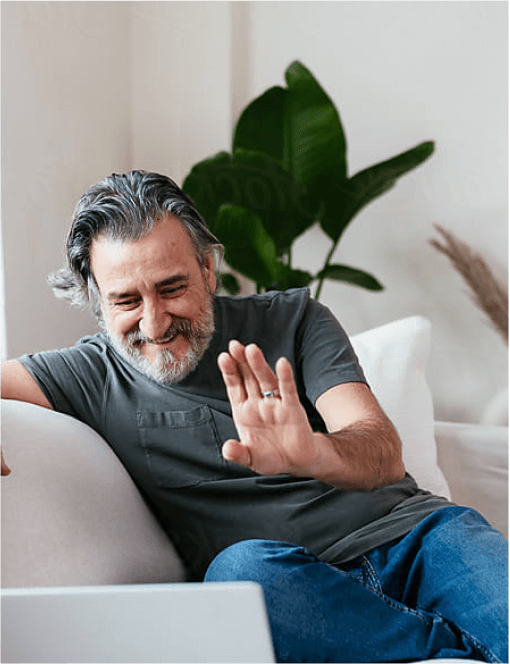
166,367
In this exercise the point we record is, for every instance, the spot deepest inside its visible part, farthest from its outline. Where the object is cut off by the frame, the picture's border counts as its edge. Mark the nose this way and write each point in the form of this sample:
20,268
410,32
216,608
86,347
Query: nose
155,321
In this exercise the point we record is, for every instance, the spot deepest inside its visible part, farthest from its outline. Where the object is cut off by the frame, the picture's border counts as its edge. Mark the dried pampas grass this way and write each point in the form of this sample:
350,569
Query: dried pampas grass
488,293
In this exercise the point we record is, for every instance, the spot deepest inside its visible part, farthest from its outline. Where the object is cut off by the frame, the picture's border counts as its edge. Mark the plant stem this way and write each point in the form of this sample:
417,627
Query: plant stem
326,264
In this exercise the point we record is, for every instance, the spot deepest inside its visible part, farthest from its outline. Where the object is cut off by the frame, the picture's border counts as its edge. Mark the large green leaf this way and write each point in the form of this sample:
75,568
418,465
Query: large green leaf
344,199
289,169
260,127
248,248
350,275
292,278
230,283
257,182
299,125
206,187
315,140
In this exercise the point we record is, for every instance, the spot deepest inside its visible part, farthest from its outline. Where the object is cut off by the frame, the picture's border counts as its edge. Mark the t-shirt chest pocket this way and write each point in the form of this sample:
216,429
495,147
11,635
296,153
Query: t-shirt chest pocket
182,448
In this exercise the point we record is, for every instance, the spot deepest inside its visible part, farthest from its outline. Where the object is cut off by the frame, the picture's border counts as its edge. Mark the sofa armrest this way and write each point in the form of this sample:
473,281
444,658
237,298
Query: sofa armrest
71,514
474,460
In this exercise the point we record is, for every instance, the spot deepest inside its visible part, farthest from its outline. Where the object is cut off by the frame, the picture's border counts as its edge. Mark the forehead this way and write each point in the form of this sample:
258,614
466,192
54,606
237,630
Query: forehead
167,249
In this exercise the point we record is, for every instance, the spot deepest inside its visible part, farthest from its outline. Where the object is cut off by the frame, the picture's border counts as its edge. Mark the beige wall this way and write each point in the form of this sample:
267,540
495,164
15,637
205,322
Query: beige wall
88,88
66,122
180,83
400,73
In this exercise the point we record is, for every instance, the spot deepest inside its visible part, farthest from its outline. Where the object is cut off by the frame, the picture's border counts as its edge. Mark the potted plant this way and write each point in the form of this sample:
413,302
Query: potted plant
288,171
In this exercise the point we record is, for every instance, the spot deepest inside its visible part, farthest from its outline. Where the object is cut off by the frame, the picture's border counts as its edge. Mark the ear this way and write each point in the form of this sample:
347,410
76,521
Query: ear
210,272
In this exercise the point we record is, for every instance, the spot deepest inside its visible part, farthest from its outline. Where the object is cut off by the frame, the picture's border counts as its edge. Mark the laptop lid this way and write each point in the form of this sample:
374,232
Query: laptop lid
178,622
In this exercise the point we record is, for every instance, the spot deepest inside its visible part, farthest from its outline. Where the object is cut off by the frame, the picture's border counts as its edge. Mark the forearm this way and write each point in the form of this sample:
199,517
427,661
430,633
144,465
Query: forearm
275,436
363,456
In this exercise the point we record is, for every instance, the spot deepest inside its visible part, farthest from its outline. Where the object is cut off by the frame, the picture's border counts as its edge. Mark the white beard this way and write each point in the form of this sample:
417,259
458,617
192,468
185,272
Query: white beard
166,368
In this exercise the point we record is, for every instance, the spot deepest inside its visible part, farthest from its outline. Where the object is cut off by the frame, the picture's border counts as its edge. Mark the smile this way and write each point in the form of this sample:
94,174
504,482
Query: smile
160,342
137,339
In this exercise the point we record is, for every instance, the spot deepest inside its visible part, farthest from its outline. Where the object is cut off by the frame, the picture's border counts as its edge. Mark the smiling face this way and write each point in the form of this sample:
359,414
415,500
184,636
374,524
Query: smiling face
156,299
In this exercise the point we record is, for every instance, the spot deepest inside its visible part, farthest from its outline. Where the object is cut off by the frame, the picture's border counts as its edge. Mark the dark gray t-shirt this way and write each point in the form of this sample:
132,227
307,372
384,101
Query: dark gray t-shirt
169,438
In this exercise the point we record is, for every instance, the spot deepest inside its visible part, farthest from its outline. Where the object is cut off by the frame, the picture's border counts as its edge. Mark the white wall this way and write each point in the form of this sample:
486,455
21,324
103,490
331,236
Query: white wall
89,88
401,73
180,83
65,124
93,87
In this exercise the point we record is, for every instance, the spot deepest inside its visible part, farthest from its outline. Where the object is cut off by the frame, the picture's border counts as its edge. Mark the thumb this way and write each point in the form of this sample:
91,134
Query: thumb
233,450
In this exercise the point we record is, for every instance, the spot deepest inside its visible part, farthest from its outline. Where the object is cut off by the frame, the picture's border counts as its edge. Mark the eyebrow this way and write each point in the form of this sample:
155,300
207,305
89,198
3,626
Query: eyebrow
170,281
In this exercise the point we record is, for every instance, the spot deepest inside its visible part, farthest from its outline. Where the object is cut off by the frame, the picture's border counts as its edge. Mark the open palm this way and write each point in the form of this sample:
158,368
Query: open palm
275,435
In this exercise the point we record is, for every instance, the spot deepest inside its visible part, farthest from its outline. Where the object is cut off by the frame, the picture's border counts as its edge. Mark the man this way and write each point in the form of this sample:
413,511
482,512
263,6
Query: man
249,428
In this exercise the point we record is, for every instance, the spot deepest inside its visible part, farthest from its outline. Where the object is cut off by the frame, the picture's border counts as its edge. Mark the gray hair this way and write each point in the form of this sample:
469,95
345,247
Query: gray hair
124,207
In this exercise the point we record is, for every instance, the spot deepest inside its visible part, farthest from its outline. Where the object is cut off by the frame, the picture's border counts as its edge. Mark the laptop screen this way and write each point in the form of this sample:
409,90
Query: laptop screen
179,622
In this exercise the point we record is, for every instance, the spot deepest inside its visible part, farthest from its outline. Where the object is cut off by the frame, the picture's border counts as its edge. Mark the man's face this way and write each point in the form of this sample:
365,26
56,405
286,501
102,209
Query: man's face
156,300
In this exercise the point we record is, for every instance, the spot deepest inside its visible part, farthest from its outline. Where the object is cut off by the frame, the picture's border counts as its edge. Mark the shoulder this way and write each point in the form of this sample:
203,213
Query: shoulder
71,377
291,302
90,352
95,343
90,348
294,311
98,345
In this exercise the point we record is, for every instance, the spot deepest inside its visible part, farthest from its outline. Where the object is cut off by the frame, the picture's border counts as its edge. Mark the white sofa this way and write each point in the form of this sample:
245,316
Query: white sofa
72,516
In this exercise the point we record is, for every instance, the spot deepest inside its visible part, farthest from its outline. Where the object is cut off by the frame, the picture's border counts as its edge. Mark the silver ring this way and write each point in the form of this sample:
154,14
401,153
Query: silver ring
270,395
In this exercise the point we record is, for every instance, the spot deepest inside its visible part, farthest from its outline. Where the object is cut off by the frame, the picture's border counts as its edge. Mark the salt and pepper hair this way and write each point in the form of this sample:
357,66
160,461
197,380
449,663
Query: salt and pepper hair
125,207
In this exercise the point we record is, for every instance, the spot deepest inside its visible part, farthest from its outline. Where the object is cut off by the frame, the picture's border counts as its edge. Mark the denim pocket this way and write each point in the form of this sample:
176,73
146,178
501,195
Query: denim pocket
182,448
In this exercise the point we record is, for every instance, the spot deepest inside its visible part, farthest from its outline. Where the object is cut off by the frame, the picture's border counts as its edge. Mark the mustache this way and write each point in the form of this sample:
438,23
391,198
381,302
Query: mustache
183,326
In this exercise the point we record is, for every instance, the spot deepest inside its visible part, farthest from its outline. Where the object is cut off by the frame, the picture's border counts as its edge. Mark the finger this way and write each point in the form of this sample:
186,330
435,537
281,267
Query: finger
267,380
5,468
232,378
286,382
251,384
234,451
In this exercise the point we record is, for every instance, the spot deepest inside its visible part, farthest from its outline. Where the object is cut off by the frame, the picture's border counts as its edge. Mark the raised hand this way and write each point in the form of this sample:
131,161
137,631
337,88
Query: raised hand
275,435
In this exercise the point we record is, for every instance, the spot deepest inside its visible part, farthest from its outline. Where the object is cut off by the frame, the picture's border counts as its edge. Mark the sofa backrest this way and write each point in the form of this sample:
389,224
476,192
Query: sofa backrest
71,514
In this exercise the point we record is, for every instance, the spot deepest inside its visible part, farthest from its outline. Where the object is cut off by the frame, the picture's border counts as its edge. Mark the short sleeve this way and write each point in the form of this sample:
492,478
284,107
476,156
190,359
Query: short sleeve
326,356
72,379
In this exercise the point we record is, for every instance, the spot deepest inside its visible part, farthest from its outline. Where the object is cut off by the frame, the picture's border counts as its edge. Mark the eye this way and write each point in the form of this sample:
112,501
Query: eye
127,305
172,291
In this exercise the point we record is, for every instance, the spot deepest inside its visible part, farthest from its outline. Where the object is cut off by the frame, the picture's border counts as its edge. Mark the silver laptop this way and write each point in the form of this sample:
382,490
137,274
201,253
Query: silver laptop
177,622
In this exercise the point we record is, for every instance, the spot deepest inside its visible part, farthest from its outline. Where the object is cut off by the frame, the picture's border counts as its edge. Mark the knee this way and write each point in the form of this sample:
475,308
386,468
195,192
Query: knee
462,534
255,560
458,525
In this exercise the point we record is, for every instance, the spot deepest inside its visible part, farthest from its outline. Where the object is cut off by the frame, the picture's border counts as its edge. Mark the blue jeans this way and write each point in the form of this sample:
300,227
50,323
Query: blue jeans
439,592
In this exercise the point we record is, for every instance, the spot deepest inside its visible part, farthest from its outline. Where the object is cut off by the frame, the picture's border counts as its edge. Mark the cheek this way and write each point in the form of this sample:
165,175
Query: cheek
190,307
120,324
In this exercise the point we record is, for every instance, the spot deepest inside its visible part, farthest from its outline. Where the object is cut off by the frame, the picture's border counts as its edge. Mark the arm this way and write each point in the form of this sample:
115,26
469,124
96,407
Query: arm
363,441
360,452
17,383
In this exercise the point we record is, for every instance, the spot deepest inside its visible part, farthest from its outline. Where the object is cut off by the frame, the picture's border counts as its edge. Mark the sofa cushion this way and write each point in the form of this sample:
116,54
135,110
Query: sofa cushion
394,358
70,513
474,458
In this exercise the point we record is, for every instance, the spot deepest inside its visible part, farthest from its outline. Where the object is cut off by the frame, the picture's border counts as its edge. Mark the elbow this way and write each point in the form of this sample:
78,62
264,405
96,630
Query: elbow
388,473
391,468
396,473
